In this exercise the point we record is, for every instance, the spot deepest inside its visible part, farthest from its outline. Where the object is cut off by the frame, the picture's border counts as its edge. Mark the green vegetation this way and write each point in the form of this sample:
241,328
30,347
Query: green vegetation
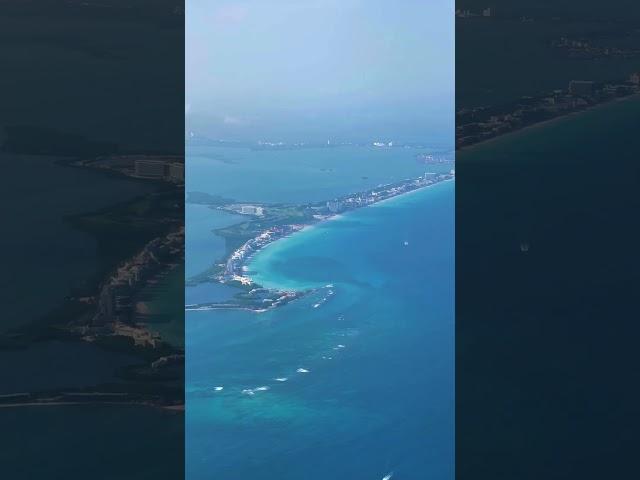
238,234
275,216
143,218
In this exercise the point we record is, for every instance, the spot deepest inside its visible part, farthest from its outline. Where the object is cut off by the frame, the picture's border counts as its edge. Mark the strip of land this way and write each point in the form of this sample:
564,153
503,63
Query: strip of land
481,124
268,223
105,310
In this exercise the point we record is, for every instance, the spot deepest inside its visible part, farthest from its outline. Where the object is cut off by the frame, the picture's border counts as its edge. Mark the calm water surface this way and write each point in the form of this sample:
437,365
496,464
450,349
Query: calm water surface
298,175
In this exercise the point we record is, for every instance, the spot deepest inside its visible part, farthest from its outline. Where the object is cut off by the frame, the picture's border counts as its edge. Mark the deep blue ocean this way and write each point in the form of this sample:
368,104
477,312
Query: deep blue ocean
353,381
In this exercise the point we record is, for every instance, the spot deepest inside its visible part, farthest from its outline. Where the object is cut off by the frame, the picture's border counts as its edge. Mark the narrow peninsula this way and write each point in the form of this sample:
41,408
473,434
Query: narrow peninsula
268,223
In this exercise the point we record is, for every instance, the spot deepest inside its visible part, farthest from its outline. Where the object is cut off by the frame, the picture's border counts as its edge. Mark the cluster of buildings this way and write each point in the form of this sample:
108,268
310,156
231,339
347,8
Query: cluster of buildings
235,266
244,209
482,123
429,159
115,312
166,168
264,143
485,12
141,336
580,48
358,200
159,169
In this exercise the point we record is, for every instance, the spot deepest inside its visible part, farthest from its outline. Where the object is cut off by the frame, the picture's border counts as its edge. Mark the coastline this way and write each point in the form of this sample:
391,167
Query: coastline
72,319
237,262
169,408
337,217
372,201
547,122
408,194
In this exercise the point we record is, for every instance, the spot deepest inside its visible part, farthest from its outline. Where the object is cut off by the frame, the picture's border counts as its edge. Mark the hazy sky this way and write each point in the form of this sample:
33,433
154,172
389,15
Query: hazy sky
311,69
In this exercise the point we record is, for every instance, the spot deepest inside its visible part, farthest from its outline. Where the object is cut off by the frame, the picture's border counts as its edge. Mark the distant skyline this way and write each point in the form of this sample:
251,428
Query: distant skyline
312,70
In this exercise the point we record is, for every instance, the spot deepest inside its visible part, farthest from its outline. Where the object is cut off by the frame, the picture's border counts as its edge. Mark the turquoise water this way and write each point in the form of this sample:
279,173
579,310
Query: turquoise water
368,357
298,175
273,176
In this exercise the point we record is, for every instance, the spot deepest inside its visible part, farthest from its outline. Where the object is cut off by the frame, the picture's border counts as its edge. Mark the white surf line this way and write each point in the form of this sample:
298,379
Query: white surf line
330,293
252,391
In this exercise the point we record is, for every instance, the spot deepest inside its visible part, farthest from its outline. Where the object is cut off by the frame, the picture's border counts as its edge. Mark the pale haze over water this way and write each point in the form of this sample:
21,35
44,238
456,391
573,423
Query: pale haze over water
352,70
